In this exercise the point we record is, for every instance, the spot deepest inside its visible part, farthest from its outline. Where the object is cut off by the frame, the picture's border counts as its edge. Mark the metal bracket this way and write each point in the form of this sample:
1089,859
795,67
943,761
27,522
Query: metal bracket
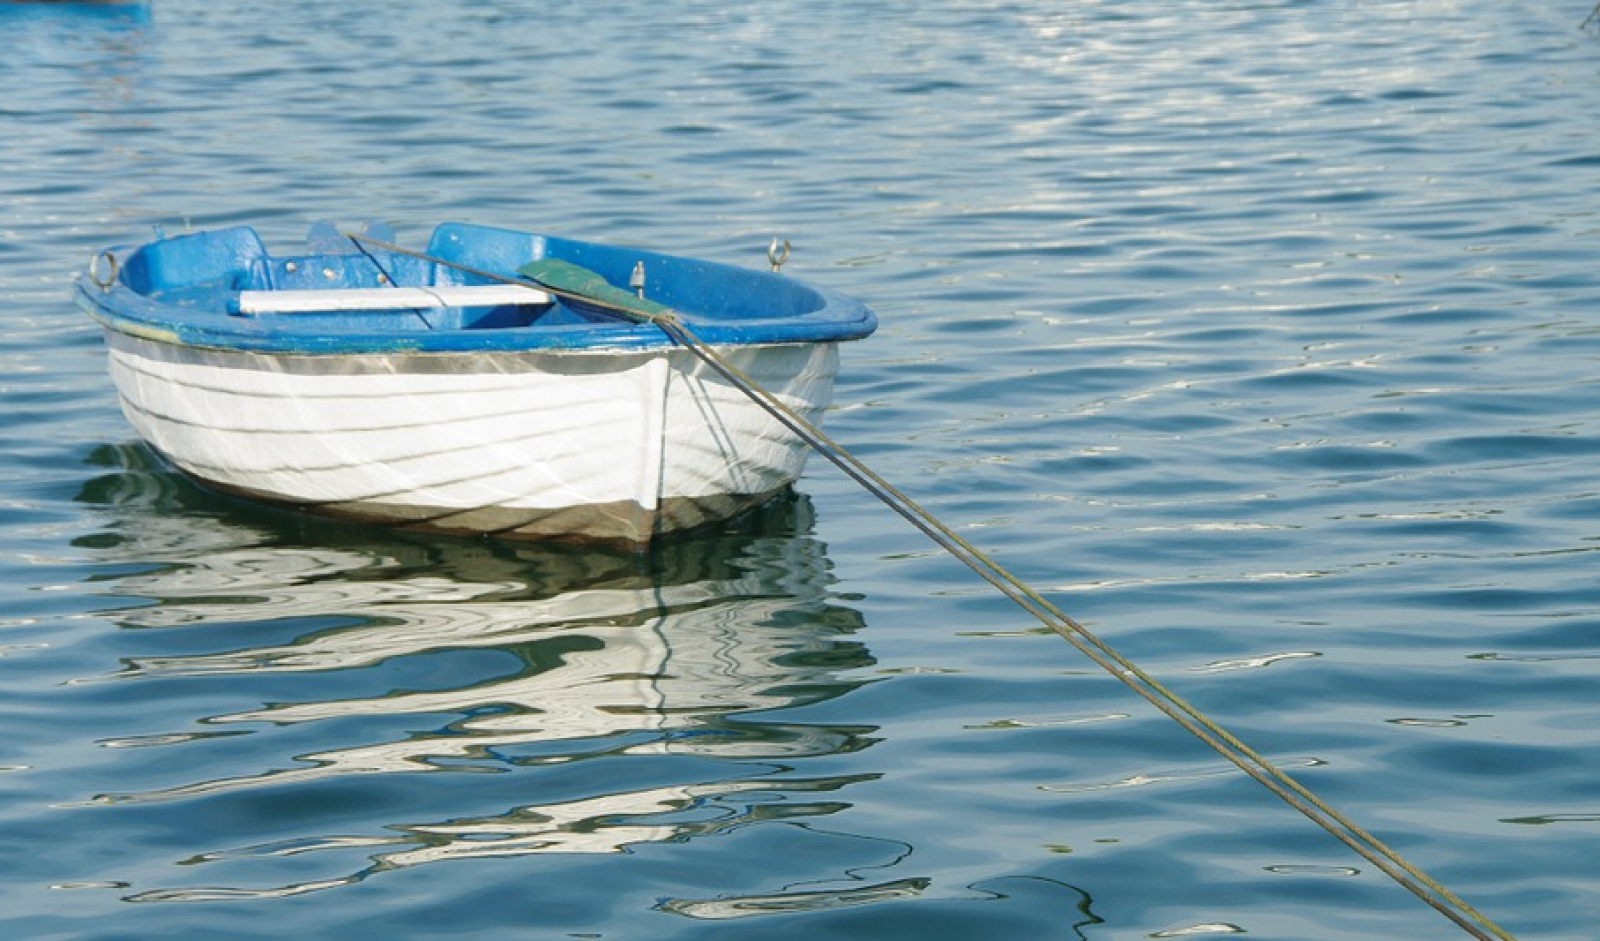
778,253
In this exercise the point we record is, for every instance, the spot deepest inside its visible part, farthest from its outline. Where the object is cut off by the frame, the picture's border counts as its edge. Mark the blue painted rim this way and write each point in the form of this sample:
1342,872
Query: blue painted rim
720,304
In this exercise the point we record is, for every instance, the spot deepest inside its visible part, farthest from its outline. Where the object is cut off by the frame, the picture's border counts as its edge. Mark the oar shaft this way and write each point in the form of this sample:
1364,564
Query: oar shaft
619,309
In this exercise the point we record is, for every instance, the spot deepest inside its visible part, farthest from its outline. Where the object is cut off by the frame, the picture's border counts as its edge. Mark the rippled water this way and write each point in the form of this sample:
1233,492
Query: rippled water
1261,336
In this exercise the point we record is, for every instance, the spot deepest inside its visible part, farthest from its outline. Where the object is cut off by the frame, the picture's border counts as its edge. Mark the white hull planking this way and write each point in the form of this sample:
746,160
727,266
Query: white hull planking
606,445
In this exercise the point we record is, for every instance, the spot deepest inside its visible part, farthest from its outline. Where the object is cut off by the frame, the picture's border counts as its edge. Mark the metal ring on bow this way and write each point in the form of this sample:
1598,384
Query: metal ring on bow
778,254
94,270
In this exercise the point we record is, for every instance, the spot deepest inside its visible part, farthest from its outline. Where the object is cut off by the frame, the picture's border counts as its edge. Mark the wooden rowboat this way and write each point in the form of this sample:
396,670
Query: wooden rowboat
367,382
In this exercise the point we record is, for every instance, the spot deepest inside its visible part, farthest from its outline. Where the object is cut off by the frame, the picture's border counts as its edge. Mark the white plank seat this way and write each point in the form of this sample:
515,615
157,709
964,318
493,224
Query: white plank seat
327,300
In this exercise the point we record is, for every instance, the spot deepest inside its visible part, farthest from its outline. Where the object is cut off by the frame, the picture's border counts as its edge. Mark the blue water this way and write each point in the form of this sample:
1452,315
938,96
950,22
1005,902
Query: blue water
1263,337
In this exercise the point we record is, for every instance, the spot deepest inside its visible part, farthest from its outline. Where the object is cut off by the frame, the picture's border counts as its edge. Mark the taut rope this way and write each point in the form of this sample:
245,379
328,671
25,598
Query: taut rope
1146,686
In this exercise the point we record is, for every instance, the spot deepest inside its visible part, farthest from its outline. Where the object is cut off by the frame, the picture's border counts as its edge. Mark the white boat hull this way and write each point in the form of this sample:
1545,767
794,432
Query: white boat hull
608,445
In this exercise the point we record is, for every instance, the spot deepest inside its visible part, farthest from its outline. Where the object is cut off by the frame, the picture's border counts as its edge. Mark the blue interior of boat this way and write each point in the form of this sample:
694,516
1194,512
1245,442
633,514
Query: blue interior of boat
188,287
189,274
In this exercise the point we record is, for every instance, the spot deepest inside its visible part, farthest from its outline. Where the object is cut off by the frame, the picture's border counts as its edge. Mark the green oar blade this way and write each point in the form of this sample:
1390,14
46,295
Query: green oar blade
564,277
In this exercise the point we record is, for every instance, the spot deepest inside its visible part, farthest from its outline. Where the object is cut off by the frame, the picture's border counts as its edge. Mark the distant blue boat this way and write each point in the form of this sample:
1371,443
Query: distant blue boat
364,381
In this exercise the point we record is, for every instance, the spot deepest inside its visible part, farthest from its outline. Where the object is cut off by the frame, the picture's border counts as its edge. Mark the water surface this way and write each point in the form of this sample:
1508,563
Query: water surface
1260,336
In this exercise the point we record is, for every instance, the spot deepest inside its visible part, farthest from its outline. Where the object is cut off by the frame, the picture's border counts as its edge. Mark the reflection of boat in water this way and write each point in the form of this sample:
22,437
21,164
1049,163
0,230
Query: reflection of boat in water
374,653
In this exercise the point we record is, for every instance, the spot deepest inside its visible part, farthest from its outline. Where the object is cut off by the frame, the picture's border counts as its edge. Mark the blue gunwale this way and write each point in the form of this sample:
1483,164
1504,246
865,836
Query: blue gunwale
184,291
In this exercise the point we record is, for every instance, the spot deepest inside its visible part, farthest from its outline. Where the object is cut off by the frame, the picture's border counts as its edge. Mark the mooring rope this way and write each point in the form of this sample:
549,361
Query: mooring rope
1148,687
1168,702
